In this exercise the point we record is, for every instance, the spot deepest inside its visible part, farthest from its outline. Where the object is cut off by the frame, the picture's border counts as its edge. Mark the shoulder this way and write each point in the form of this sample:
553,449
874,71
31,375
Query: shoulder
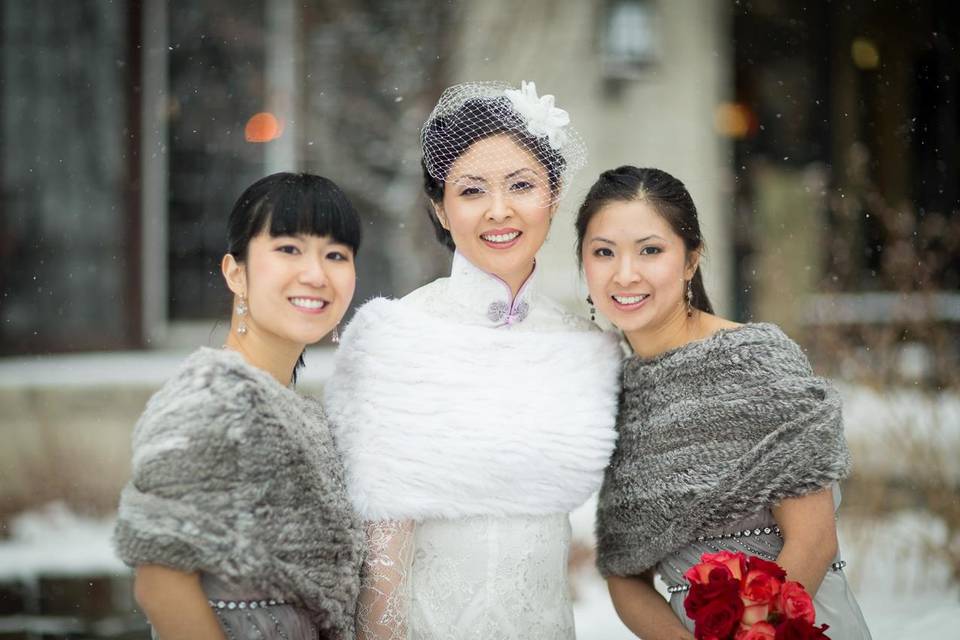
766,345
213,394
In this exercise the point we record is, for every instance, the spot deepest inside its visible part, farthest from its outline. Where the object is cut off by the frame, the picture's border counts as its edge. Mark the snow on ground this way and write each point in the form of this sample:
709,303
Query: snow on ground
55,542
905,593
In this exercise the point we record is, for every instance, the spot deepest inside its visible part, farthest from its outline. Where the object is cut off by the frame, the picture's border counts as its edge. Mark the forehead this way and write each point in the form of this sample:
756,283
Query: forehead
633,219
495,156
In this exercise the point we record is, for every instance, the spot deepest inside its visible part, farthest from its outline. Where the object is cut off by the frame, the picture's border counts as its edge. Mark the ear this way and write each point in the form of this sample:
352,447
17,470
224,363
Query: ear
693,261
441,215
553,210
234,274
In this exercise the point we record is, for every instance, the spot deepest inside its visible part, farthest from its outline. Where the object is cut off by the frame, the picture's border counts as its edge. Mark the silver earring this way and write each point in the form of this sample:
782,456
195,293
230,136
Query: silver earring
242,311
689,298
335,337
593,310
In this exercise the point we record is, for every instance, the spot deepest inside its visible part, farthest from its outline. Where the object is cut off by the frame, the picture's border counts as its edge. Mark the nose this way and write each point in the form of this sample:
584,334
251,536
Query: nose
626,273
500,208
313,273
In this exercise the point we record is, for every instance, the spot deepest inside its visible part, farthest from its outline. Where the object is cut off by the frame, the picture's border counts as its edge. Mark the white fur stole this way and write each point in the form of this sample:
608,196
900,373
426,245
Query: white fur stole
442,420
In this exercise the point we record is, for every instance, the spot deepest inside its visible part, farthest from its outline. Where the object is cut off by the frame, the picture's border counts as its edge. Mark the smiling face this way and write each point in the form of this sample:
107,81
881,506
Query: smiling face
497,212
636,267
297,287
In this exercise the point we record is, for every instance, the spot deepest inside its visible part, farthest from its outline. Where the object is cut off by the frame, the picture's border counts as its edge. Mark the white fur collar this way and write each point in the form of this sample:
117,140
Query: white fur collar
442,420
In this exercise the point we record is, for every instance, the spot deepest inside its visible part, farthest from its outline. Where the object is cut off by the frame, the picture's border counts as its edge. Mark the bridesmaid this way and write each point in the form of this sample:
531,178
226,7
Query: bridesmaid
236,517
727,439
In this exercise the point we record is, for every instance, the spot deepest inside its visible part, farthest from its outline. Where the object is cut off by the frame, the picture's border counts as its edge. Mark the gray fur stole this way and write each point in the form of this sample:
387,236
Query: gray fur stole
237,476
710,433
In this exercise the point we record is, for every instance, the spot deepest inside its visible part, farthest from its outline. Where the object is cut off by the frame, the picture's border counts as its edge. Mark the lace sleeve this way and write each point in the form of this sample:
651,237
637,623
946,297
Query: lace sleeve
384,583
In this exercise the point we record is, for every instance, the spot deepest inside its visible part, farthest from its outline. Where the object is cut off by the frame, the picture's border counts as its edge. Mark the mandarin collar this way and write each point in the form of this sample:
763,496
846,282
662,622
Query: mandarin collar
487,297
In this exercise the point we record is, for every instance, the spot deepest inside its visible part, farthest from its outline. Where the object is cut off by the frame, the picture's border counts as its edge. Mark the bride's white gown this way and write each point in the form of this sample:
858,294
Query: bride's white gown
471,424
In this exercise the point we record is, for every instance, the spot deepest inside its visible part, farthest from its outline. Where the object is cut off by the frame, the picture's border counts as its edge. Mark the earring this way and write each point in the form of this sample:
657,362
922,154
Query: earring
335,337
593,310
242,311
689,298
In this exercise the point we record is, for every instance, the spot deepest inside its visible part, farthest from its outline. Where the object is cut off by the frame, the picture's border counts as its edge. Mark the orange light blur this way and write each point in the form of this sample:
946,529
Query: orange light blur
262,127
734,120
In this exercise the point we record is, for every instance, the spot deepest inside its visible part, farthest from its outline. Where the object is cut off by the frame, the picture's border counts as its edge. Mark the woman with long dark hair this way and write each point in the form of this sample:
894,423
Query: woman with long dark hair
727,440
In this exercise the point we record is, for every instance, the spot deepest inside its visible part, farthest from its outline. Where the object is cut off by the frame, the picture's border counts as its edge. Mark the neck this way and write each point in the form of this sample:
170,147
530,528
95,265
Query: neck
516,280
675,332
270,353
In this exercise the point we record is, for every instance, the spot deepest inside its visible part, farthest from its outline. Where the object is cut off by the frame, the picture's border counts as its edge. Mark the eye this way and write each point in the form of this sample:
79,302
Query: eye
289,249
471,191
338,256
650,251
603,252
521,185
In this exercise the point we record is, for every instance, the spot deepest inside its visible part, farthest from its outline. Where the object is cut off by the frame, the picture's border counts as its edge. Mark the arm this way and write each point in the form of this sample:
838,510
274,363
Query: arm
384,581
175,604
643,610
809,537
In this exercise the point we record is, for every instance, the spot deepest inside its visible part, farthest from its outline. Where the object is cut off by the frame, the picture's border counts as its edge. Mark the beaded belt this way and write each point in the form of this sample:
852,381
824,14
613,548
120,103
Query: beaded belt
680,588
746,533
233,605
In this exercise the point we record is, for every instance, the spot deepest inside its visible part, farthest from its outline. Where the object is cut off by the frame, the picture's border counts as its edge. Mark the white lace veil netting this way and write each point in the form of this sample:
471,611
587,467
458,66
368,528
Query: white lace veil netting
470,112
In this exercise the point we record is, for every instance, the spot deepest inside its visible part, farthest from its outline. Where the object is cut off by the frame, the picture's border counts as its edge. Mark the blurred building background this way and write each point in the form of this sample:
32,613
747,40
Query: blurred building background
819,140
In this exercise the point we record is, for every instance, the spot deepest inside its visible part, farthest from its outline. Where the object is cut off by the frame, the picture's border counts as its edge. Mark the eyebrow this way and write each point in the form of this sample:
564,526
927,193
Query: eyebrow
638,241
482,179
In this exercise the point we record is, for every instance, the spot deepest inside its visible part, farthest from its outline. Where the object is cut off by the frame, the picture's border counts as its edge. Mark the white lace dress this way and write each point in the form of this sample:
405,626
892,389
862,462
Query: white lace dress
493,418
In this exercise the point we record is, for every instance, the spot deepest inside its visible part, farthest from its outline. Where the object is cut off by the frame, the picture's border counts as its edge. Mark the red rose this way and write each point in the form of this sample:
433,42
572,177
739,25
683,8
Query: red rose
796,629
735,563
754,612
718,618
721,586
758,631
765,566
759,587
795,602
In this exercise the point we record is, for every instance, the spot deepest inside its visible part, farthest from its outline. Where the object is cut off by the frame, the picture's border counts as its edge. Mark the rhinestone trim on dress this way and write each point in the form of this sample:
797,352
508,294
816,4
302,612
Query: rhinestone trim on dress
234,605
746,533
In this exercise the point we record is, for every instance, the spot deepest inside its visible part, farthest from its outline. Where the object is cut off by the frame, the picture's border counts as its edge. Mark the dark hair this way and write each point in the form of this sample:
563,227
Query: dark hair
292,204
445,138
666,195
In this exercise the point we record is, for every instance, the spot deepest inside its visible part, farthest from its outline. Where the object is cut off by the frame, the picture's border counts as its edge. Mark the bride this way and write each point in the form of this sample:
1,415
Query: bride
474,414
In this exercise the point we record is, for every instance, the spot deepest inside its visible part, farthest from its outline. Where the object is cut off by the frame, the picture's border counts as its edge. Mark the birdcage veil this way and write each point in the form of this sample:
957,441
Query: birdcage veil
474,111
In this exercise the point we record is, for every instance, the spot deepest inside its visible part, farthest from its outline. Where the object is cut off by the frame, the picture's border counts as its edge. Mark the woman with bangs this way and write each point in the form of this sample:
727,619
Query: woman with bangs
236,517
474,413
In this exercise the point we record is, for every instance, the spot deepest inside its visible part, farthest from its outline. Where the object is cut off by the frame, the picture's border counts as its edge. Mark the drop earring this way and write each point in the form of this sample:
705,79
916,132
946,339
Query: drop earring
242,311
335,336
689,298
593,310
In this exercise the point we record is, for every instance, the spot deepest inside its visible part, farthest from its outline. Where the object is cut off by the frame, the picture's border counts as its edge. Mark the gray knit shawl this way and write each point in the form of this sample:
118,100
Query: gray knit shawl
710,433
237,476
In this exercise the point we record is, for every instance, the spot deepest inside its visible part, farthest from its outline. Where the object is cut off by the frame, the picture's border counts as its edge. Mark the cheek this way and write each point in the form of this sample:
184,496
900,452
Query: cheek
345,283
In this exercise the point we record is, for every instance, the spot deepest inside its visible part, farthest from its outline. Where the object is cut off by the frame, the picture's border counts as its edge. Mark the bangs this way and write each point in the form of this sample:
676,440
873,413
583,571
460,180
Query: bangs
306,205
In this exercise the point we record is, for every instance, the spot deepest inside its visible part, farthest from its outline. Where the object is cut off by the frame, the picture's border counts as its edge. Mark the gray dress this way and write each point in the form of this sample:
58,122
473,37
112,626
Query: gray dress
236,478
759,535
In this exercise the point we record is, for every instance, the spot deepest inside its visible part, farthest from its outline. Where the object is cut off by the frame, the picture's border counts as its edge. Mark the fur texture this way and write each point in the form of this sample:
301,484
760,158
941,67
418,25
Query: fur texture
441,420
711,433
237,476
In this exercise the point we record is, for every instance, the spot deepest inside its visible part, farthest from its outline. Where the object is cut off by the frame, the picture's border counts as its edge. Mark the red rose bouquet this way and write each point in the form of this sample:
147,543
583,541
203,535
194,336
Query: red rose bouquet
736,597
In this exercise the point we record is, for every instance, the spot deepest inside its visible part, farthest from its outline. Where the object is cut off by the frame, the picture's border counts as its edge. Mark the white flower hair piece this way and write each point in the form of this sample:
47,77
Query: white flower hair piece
470,112
543,119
